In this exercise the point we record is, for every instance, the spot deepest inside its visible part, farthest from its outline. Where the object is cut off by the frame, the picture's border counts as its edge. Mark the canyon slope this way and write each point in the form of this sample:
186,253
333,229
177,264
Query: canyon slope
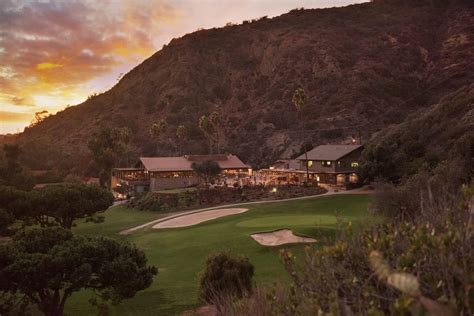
365,68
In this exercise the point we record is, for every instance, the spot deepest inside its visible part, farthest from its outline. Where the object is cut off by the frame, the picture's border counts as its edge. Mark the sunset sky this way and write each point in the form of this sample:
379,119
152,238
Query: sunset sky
56,53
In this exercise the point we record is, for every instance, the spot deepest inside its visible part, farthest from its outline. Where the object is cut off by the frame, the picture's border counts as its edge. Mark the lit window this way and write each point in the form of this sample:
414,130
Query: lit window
326,163
310,163
354,164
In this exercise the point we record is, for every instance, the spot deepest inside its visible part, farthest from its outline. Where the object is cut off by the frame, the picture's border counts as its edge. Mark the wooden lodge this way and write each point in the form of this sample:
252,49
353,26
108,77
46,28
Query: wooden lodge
160,173
333,164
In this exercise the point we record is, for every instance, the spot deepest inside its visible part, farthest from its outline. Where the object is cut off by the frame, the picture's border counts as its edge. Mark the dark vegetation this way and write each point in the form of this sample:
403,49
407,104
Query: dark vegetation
52,205
363,68
45,266
107,147
168,202
207,170
444,132
225,276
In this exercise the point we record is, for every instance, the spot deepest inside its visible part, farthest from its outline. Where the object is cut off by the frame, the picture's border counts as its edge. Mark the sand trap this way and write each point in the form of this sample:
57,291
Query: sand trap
280,237
196,218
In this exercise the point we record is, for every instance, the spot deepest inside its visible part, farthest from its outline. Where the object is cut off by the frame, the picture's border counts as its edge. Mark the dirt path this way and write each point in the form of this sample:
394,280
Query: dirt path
128,231
196,218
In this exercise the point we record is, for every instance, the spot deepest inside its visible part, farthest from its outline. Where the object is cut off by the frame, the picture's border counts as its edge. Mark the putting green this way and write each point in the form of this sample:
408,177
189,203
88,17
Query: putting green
289,220
180,253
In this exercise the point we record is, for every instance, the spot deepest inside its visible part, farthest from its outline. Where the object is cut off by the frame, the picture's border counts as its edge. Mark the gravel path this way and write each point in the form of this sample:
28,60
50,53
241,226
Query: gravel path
128,231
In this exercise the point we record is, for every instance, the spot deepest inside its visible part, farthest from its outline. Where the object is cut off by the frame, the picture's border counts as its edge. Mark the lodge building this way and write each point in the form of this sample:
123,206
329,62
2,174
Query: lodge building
160,173
333,164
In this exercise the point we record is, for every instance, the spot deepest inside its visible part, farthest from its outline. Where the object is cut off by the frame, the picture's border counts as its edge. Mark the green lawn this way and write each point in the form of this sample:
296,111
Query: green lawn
179,254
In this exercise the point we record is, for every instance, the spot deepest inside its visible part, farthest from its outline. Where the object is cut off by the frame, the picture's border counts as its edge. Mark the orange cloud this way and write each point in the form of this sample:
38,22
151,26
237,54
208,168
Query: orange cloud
6,116
50,51
44,66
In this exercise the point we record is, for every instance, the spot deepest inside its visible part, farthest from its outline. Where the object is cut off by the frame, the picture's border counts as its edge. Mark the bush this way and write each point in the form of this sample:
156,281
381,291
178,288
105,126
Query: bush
6,218
410,200
147,202
225,277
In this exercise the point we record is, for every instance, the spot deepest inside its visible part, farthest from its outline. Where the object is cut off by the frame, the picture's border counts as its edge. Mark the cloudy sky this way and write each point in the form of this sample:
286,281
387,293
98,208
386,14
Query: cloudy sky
56,53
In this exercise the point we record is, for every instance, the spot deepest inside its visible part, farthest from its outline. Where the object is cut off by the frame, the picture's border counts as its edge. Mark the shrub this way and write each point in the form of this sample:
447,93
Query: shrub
225,276
6,218
147,202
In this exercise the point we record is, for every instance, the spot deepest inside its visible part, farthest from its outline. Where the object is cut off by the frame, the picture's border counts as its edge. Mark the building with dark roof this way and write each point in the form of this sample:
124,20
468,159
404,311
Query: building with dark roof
160,173
333,164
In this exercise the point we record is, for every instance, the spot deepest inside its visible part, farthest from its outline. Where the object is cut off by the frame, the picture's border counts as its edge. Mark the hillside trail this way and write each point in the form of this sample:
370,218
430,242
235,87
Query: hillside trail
331,191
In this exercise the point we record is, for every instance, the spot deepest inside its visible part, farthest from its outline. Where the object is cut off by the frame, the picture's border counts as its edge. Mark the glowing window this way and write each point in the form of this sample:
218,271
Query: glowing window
354,164
310,163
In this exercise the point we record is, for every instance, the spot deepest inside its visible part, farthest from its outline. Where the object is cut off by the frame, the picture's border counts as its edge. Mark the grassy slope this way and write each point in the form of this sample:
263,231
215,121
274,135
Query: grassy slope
179,253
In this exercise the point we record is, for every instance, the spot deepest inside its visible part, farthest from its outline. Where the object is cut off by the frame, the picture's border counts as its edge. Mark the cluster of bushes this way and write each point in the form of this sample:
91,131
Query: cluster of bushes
165,202
161,202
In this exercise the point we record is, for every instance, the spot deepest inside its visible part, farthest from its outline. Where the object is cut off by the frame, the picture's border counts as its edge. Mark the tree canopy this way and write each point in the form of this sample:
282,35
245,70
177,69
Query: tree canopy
206,170
15,204
106,148
11,171
48,265
66,203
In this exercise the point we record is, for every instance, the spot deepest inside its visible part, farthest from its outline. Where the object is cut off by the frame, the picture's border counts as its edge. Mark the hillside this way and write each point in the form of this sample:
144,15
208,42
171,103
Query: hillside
364,68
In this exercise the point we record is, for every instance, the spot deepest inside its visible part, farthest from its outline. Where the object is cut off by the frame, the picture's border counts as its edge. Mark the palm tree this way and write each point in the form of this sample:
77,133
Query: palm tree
207,128
157,129
182,135
299,100
214,119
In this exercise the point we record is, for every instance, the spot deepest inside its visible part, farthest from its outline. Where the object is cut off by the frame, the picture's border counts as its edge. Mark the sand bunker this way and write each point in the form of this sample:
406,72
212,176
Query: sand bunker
280,237
196,218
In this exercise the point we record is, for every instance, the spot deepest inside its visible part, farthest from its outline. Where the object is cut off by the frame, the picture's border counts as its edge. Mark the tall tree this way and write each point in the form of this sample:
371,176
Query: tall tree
12,173
182,135
210,126
207,128
299,100
12,156
106,147
39,117
157,130
215,120
207,170
48,265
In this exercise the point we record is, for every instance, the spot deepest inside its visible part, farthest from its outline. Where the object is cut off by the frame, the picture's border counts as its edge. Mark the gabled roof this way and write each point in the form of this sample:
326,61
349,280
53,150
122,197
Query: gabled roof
289,163
184,163
201,158
329,152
